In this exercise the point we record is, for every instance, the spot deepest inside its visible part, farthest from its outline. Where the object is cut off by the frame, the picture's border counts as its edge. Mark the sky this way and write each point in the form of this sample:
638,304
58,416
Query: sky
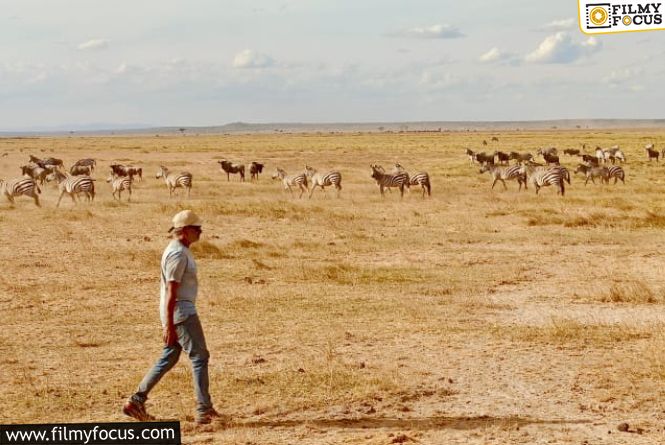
75,63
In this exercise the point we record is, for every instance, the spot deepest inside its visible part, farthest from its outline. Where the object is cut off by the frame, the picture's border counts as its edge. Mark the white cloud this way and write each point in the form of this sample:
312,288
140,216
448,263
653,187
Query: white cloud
561,48
94,44
559,25
252,59
625,78
430,32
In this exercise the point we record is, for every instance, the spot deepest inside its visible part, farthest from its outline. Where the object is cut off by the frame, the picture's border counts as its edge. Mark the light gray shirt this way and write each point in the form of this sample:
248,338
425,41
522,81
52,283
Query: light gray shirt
178,265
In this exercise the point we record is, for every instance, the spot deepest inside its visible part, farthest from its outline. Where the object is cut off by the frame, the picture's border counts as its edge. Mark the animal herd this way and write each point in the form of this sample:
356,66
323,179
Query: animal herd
525,168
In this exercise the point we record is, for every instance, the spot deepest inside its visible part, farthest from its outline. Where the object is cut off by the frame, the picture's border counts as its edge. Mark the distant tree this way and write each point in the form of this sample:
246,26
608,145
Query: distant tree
182,130
382,128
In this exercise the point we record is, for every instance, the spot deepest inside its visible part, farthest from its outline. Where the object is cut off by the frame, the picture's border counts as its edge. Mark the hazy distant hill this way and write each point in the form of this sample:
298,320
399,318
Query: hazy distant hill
243,127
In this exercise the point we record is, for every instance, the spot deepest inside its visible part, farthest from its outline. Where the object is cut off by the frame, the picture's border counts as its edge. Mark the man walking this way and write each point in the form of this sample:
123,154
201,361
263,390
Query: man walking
182,327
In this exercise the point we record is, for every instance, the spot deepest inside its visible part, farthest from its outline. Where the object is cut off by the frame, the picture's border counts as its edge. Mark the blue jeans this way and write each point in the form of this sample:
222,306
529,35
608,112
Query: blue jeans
192,341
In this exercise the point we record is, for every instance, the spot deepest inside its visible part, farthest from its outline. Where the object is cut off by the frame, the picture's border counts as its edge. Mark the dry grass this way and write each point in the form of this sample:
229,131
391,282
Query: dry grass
570,332
448,319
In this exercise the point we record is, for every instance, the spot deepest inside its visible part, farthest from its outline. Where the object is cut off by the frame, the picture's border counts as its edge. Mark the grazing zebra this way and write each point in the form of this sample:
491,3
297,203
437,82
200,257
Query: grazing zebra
174,180
502,174
299,180
601,155
254,169
651,153
323,180
120,183
229,167
73,185
399,179
20,186
593,172
617,173
543,177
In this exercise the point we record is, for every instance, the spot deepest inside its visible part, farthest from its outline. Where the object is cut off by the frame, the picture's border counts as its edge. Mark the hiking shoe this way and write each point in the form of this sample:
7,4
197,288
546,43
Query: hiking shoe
207,417
136,410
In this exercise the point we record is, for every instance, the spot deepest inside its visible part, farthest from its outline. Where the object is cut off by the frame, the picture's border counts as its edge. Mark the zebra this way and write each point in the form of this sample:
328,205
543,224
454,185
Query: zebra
506,173
420,178
299,180
174,180
542,177
73,185
20,186
120,183
323,180
229,167
617,173
593,172
398,179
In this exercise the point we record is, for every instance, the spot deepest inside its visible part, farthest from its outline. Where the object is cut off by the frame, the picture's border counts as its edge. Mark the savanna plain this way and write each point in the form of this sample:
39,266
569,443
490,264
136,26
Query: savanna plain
473,316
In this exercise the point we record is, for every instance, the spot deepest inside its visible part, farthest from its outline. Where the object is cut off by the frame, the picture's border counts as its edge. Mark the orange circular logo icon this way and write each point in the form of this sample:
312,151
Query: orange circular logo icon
598,16
627,20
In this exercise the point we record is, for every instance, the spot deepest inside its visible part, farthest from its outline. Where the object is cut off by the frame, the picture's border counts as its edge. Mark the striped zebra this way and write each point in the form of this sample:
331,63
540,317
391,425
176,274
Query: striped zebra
503,174
387,180
323,180
74,185
120,183
174,180
20,186
420,178
543,177
617,173
299,180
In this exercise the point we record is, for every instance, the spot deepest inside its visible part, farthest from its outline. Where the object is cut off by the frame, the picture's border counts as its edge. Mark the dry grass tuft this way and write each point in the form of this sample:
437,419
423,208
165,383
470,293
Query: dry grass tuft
208,250
635,292
570,332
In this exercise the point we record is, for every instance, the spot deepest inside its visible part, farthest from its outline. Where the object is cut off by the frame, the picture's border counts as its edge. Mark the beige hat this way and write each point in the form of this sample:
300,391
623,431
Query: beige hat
185,218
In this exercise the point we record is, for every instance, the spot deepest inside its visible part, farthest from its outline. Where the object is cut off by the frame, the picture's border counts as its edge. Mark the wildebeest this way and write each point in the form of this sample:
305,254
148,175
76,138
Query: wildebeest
590,160
502,157
88,162
483,158
230,167
520,157
571,152
551,158
254,169
77,170
651,153
48,162
127,170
